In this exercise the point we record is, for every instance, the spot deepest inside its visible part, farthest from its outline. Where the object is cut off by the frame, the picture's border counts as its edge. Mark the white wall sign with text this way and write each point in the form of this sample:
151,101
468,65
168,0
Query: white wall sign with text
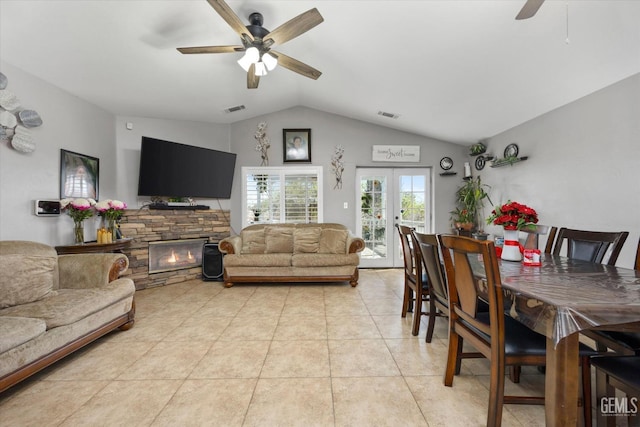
396,153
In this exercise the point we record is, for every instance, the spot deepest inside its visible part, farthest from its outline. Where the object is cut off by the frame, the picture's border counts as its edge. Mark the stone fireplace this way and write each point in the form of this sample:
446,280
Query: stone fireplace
169,255
151,229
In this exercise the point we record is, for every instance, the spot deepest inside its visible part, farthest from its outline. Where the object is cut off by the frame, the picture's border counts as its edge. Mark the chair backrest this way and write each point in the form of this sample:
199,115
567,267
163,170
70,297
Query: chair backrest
533,234
463,286
637,266
428,250
590,245
410,267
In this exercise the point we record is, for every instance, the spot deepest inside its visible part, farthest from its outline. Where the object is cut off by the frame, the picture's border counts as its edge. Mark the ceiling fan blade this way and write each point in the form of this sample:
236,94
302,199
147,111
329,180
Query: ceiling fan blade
230,17
529,9
297,66
252,79
210,49
296,26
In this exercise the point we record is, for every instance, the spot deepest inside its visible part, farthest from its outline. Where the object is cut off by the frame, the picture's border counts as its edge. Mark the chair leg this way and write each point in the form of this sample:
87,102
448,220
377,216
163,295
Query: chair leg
453,357
586,391
417,314
405,299
514,373
496,393
433,313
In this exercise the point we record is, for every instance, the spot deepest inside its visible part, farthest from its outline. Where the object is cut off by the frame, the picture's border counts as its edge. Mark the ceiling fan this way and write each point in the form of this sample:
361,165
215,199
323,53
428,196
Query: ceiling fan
529,9
257,41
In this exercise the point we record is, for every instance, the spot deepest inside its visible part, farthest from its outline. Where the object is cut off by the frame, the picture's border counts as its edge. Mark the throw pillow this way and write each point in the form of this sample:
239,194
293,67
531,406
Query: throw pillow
333,241
25,279
253,241
306,240
279,240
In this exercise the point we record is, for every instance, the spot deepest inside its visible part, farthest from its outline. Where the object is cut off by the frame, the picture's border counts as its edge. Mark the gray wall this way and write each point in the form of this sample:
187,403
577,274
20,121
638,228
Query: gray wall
69,123
207,135
583,169
357,137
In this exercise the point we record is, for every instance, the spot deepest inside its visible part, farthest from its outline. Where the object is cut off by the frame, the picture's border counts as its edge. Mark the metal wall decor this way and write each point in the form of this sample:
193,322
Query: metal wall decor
15,124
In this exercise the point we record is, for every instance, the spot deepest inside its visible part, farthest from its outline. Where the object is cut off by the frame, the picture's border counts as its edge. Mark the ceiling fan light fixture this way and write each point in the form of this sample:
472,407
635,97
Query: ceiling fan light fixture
270,61
261,69
251,56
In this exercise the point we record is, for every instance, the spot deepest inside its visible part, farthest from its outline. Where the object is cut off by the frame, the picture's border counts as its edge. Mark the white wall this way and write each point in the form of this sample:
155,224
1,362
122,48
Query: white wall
357,137
207,135
69,123
583,169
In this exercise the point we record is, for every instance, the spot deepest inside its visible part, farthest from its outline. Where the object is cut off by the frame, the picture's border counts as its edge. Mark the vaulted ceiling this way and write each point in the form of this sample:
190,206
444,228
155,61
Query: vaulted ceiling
453,70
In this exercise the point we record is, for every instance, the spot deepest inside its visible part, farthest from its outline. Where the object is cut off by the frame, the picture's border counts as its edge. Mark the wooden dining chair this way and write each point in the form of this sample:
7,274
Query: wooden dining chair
617,373
621,342
500,338
590,246
533,237
416,288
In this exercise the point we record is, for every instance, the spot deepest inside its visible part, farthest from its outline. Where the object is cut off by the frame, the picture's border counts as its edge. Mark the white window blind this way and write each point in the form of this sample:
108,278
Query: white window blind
282,195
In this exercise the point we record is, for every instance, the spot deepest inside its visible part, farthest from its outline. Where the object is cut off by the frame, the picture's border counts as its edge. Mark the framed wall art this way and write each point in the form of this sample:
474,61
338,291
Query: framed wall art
79,175
296,145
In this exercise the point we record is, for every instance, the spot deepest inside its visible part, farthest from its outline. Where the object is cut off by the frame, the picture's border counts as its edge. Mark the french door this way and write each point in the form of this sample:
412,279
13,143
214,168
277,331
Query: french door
386,197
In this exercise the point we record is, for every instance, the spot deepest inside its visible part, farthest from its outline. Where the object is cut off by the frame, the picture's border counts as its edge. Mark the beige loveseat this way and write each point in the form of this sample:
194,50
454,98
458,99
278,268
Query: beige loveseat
52,305
292,253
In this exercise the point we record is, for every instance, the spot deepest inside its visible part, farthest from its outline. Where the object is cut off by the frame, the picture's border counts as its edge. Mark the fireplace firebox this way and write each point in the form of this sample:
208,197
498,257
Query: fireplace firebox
169,255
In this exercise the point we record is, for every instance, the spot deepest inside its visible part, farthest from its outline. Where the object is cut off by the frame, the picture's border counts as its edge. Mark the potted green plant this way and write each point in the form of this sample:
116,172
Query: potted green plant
469,203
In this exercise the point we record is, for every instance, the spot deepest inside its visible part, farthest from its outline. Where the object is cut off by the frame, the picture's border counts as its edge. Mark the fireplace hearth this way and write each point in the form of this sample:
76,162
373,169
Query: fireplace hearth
170,255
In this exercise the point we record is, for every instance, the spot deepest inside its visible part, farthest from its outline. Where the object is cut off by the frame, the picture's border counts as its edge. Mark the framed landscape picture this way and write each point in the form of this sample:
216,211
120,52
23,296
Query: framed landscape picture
79,175
296,145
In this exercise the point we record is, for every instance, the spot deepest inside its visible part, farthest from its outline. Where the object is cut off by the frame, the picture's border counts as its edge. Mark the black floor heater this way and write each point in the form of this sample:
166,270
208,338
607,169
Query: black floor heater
211,262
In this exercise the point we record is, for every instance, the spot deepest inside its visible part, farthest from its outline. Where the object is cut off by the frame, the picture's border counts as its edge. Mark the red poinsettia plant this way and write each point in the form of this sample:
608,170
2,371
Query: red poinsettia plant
513,216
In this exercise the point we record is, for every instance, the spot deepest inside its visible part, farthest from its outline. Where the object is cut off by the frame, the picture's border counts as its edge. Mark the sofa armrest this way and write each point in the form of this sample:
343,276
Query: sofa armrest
78,271
230,245
355,244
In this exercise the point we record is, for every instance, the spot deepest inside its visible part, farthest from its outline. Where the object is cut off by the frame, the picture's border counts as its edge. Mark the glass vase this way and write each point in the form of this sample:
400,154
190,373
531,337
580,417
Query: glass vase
78,232
112,228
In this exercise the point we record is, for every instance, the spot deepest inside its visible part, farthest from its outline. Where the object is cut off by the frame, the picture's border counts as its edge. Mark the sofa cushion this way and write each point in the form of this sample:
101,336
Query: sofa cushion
324,260
279,240
26,278
333,241
306,240
18,330
253,241
72,305
257,260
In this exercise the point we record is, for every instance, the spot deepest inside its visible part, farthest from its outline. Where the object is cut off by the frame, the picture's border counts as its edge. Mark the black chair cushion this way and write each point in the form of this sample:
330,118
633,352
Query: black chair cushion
520,340
624,368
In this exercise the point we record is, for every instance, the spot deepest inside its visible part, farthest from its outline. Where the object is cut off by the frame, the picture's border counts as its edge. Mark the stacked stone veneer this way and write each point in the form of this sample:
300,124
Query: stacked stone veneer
145,226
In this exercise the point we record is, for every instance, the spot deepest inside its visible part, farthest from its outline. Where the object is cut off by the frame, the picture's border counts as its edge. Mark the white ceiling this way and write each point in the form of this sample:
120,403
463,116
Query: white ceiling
454,70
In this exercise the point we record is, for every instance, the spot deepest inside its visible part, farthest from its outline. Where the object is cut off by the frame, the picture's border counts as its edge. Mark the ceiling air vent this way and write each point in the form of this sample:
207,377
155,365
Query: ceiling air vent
234,109
388,115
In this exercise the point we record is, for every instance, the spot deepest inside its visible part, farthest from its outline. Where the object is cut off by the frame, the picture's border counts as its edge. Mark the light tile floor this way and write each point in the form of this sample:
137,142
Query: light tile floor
268,355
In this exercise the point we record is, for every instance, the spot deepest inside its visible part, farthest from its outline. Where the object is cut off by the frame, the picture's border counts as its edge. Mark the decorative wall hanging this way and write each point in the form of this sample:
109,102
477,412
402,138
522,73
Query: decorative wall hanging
396,153
263,143
296,145
15,124
337,165
78,175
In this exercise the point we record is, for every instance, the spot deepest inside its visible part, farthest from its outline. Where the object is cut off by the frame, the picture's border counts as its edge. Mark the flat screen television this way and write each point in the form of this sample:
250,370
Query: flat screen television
169,169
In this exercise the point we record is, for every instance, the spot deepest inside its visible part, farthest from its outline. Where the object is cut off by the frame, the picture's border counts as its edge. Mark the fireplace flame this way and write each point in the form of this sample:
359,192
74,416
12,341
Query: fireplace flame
189,256
172,258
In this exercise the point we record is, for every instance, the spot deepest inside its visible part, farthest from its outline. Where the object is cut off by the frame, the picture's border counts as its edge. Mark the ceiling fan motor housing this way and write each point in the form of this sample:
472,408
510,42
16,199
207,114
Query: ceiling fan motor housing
255,28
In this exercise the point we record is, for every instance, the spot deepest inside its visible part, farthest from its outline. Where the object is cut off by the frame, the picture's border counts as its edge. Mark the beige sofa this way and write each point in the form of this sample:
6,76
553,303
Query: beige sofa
52,305
292,253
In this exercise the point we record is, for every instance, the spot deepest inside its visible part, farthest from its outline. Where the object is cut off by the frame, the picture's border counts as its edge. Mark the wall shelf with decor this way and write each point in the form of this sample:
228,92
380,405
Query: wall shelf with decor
507,161
448,173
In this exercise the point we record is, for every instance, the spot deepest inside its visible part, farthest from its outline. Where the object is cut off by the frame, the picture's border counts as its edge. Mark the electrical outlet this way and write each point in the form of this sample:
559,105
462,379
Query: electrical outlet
346,205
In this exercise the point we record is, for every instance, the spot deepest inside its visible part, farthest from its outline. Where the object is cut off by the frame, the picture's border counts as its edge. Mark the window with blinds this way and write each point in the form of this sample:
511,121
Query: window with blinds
282,195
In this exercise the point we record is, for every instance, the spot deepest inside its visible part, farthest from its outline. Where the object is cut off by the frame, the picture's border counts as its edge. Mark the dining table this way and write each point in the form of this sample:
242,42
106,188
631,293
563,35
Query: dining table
559,299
